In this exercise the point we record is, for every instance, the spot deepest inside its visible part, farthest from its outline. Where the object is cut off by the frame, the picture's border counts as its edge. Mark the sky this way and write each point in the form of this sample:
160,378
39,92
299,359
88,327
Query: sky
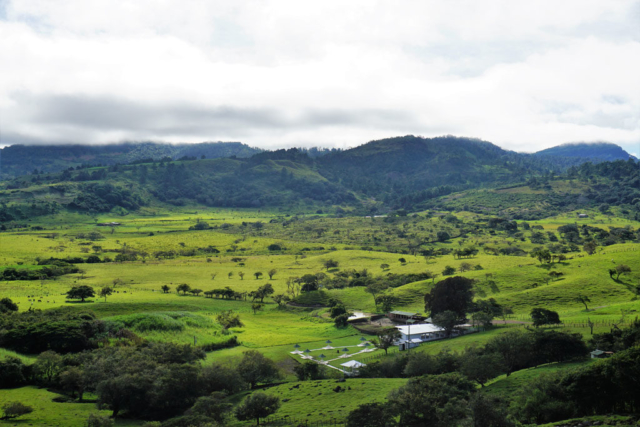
525,75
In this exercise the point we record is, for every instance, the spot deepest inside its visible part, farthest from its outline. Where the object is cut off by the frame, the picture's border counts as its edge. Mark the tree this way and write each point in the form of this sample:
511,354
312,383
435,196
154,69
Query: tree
387,338
255,368
342,320
230,275
264,291
432,400
622,269
451,294
272,273
81,292
446,320
241,274
213,406
482,318
481,367
73,380
257,405
448,270
281,299
258,274
443,236
465,266
514,347
256,308
541,254
330,263
105,292
13,372
542,316
386,302
48,365
6,305
384,266
229,319
195,292
590,247
583,299
184,288
337,310
165,289
402,261
374,289
309,371
13,410
374,414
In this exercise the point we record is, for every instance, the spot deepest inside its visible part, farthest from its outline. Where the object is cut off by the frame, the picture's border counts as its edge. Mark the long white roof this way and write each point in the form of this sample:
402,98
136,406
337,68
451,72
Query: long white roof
422,328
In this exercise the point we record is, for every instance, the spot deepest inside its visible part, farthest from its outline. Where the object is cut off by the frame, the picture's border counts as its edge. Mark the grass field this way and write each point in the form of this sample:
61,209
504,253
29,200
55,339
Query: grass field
520,282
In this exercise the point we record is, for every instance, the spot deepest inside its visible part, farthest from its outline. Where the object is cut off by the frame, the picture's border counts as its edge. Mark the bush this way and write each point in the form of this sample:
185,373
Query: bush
14,410
97,420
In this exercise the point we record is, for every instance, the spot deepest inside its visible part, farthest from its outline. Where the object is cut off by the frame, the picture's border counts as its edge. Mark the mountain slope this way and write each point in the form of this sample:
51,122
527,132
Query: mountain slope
17,160
597,152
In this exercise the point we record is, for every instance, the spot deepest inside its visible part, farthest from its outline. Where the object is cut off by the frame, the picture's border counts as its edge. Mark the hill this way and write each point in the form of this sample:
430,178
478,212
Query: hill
406,173
17,160
594,152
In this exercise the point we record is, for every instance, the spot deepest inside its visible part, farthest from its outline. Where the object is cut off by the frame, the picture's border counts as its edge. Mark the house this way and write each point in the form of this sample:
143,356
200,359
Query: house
414,335
403,316
583,216
599,354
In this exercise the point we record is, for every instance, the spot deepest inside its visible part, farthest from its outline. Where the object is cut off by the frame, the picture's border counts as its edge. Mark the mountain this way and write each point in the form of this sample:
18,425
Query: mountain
595,152
409,172
16,160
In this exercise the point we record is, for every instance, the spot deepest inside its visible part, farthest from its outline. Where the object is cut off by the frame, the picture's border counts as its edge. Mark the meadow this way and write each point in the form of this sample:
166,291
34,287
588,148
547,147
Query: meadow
306,243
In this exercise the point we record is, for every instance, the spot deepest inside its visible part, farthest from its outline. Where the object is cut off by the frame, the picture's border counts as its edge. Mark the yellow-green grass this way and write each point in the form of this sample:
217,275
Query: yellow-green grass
315,401
505,386
49,413
26,358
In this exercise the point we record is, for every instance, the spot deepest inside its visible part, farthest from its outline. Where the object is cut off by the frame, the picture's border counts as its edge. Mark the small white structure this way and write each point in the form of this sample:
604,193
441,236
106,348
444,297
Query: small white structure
352,366
583,216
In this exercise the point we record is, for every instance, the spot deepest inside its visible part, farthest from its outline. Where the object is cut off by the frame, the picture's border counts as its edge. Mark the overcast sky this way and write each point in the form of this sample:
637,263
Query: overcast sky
525,75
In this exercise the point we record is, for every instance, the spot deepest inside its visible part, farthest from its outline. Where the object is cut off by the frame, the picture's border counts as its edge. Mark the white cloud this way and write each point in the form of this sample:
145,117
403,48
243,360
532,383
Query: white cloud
525,75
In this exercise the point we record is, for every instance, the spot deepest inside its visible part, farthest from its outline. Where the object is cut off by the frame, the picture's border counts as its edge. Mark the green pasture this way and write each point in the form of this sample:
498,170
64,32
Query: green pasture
314,401
46,412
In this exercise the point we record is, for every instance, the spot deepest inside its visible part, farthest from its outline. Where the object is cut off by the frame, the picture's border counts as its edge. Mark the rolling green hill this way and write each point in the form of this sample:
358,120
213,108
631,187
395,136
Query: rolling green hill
594,152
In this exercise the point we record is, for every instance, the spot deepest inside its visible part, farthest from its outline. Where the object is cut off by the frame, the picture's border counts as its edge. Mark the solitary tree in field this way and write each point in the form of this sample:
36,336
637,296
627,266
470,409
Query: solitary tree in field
330,263
257,405
542,316
402,261
241,274
384,266
230,275
165,288
256,368
272,273
258,274
81,292
213,276
256,307
622,269
583,299
105,292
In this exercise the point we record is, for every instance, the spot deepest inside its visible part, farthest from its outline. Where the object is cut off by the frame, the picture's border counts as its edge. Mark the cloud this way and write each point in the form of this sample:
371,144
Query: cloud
327,73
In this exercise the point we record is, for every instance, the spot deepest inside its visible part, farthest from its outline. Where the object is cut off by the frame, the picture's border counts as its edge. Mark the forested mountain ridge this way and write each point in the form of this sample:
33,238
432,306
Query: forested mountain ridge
409,173
17,160
593,152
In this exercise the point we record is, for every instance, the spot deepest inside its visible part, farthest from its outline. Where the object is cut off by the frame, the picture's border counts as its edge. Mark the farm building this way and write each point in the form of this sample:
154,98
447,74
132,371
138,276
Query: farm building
414,335
583,216
403,316
599,354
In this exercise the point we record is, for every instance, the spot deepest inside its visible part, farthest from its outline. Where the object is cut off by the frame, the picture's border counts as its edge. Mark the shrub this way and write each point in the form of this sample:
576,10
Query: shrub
14,410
